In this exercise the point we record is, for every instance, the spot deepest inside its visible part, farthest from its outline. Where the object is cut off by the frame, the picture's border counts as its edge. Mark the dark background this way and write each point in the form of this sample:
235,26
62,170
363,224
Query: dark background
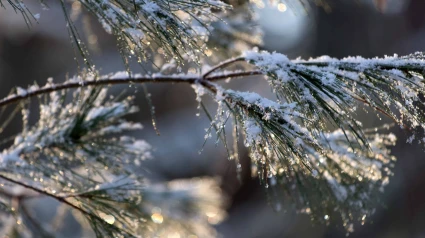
350,28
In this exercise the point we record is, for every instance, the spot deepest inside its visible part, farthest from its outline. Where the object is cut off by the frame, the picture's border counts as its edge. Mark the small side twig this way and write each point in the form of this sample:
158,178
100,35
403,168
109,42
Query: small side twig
23,196
222,65
381,111
234,75
58,198
31,219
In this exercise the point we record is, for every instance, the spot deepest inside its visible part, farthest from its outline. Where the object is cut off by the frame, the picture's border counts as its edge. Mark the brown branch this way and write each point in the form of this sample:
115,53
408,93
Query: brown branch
222,65
58,198
376,108
40,191
99,82
11,195
203,79
124,80
234,75
381,111
31,219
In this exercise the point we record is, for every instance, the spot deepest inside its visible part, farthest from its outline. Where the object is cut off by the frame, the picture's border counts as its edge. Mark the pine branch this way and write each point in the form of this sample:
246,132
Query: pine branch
75,154
289,139
293,144
176,27
379,83
307,145
222,65
118,78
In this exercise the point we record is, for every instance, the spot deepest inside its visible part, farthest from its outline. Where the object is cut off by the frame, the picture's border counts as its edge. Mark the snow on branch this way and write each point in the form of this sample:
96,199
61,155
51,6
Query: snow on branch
176,27
328,89
323,174
307,146
291,141
77,154
309,140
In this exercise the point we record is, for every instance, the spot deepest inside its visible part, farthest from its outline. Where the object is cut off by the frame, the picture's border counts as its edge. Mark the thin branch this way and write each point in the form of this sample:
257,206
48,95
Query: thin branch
36,224
22,196
124,80
376,108
222,65
234,75
99,82
381,111
110,80
60,199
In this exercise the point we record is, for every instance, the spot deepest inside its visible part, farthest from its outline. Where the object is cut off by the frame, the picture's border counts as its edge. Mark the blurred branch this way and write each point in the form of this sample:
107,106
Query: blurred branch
61,199
21,196
33,221
40,191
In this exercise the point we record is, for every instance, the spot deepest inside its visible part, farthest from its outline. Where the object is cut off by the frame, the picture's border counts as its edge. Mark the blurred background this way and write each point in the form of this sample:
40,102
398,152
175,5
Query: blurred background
341,28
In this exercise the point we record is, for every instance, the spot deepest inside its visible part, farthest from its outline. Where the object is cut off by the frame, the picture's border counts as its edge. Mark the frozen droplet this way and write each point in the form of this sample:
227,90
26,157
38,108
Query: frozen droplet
157,218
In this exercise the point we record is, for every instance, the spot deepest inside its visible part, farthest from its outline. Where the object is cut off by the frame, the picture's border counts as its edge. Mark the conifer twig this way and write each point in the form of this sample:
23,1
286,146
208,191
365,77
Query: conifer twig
123,80
148,79
222,65
59,198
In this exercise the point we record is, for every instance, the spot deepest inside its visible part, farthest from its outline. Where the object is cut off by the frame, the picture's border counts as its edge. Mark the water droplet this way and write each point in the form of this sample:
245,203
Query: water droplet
109,219
157,218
